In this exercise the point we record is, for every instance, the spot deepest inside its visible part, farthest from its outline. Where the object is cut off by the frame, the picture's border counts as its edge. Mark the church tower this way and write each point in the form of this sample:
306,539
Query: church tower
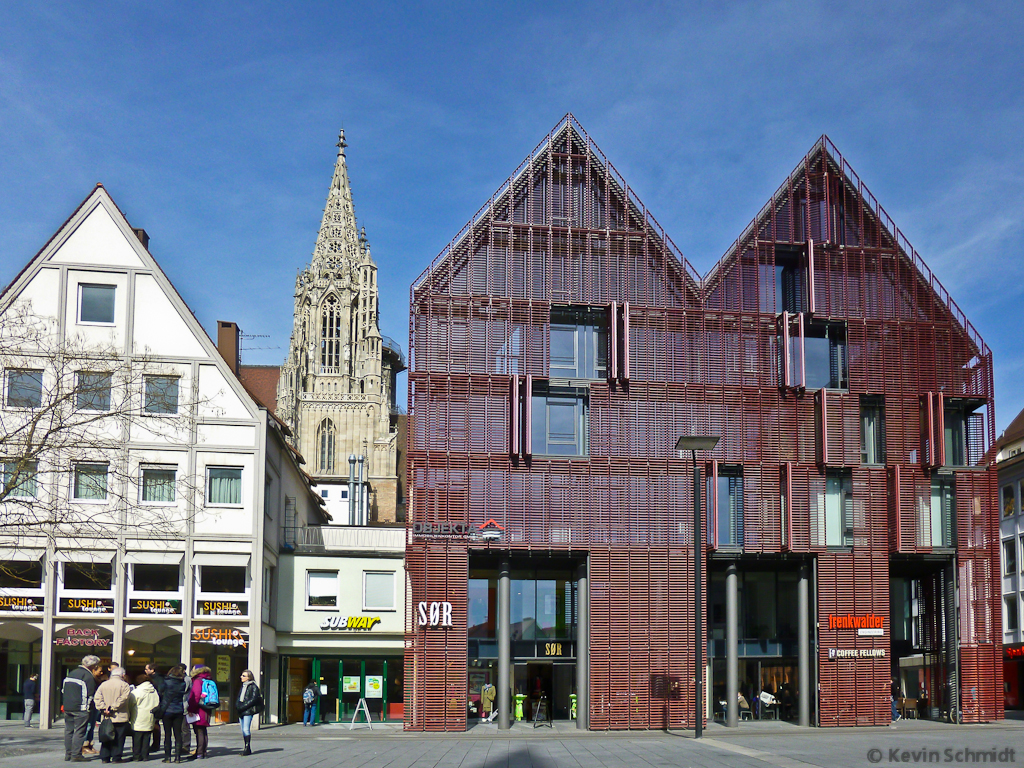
337,387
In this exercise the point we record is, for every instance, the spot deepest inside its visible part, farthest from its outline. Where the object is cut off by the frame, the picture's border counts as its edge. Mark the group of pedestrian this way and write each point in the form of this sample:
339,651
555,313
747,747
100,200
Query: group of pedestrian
182,702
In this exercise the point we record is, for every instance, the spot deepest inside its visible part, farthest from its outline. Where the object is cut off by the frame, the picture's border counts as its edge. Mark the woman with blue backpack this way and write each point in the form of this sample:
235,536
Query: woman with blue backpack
203,700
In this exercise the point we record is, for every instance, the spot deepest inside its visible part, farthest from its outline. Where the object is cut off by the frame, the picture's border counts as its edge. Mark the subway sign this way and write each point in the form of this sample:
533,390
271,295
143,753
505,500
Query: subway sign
350,622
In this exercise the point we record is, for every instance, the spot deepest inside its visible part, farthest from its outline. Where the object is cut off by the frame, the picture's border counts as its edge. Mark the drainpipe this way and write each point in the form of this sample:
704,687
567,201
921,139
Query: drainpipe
362,493
352,489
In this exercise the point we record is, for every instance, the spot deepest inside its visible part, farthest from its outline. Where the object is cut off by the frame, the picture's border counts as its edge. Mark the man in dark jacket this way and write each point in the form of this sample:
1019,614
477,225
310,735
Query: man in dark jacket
158,682
78,689
31,693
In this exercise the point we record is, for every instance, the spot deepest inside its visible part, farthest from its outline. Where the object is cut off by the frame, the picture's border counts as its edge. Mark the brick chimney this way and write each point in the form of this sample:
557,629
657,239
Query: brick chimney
228,344
143,237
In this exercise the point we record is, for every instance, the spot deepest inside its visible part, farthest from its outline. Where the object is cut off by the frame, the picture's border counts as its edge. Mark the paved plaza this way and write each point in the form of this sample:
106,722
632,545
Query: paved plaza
754,745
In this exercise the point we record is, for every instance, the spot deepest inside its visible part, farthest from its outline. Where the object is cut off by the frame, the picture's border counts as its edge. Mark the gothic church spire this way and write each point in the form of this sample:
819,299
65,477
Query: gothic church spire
338,240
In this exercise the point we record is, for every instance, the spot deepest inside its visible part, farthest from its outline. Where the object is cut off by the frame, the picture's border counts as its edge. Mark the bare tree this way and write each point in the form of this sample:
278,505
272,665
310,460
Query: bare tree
88,435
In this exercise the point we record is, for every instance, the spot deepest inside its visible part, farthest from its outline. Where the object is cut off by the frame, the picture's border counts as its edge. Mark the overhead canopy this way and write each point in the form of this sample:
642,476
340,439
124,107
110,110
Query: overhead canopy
154,558
216,558
85,556
23,555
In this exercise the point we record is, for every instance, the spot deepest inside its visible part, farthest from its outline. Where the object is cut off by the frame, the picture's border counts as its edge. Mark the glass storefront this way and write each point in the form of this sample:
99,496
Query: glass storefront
342,682
18,660
227,655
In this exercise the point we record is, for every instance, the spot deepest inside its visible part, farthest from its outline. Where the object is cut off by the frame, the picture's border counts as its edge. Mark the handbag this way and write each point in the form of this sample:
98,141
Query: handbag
158,710
106,733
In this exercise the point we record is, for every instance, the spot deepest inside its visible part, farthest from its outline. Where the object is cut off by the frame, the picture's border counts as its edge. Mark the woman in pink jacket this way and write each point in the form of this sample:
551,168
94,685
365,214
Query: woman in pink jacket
199,713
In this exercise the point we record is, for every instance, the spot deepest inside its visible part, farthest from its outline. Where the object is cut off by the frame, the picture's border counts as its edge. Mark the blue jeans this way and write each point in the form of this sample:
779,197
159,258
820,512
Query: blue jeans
309,714
894,714
246,722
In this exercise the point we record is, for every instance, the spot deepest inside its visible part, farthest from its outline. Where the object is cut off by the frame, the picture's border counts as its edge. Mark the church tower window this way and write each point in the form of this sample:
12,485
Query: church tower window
325,442
330,336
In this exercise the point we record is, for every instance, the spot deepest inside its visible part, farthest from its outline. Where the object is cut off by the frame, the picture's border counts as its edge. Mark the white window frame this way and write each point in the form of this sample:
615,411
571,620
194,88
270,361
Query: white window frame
78,314
110,391
14,491
394,595
145,399
337,590
224,597
142,484
7,388
74,475
138,594
241,488
62,592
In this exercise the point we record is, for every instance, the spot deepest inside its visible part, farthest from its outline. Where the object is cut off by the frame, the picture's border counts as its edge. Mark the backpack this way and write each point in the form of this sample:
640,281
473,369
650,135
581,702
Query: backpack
308,697
212,699
257,706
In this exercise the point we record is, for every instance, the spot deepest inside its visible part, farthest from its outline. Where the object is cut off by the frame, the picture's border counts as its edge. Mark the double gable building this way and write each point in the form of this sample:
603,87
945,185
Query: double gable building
561,345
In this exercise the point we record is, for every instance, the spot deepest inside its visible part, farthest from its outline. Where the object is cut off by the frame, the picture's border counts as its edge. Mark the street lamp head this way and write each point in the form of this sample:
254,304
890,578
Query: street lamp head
697,443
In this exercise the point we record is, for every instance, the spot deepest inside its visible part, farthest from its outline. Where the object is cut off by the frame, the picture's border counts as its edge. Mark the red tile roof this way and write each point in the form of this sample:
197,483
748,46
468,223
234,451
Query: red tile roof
261,381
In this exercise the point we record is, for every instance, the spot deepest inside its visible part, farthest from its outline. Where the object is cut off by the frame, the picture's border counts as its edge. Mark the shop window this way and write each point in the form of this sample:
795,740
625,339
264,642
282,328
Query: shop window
1010,557
161,394
19,480
222,579
224,486
88,577
96,303
1010,618
21,574
92,391
158,484
725,503
24,389
268,584
321,589
156,577
942,511
838,509
825,363
1009,501
559,420
579,342
872,430
962,433
90,482
378,591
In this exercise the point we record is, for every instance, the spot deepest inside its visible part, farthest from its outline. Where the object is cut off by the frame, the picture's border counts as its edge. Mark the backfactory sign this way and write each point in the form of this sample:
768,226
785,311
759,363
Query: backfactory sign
365,623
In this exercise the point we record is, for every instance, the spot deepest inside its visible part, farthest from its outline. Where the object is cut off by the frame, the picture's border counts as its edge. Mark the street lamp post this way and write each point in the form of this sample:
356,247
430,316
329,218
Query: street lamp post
693,444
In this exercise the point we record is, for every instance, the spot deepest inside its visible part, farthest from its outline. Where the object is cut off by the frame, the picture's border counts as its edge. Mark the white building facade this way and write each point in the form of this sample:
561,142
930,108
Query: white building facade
152,534
1010,462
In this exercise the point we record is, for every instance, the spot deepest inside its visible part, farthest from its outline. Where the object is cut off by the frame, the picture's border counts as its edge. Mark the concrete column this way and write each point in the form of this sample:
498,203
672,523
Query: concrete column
504,698
732,656
582,647
46,665
803,647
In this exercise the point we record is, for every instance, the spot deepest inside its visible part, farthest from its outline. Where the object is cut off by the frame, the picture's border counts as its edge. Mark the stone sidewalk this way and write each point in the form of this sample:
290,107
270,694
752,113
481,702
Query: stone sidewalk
754,745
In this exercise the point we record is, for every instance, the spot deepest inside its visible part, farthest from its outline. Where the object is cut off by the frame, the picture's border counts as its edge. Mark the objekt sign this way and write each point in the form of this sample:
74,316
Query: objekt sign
434,614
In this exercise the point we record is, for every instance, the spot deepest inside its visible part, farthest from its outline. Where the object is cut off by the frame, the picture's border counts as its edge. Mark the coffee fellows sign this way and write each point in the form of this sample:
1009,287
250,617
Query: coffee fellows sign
228,636
87,605
21,604
155,607
222,608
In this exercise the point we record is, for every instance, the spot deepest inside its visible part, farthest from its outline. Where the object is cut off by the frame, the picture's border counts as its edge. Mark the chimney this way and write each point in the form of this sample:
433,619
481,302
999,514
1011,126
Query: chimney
143,237
227,343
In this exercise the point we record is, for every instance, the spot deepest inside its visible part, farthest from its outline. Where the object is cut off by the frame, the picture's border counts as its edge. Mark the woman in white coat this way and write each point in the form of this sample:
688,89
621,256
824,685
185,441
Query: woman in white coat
141,703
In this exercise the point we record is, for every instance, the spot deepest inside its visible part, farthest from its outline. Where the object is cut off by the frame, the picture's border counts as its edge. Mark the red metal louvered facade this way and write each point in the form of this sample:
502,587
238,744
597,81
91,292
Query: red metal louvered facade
693,356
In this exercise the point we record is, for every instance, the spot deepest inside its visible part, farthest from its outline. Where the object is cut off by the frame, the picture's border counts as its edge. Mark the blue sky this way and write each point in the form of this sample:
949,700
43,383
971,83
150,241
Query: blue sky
213,126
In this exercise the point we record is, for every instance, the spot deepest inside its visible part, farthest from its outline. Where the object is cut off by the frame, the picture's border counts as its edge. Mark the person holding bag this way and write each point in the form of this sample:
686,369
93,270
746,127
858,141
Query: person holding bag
112,703
203,700
250,704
